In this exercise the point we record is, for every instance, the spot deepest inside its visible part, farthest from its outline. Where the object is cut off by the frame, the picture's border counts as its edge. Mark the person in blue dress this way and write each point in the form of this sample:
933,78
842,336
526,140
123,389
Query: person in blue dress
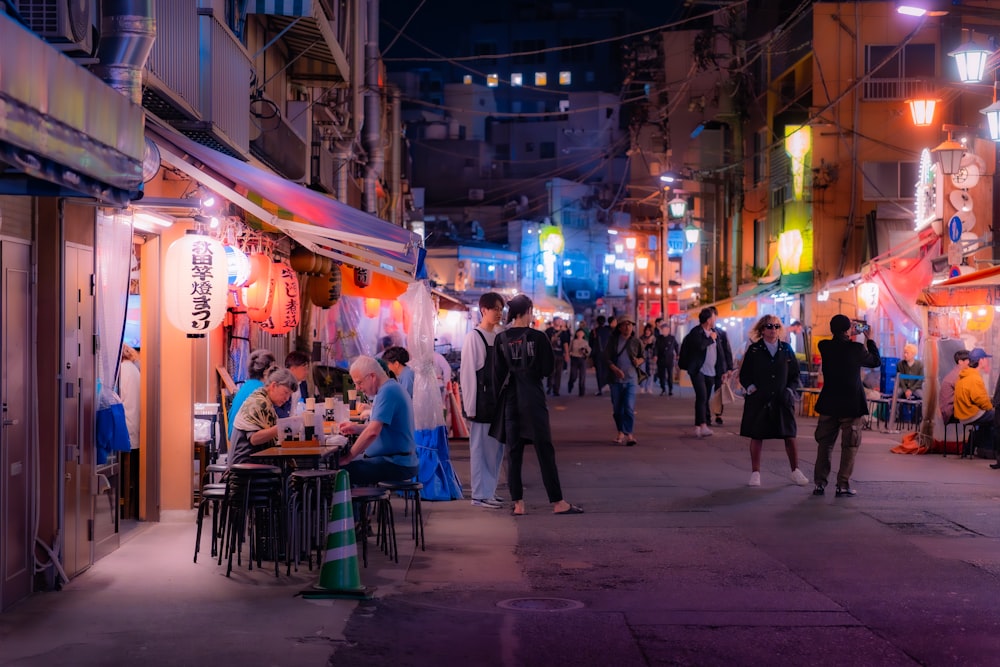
385,449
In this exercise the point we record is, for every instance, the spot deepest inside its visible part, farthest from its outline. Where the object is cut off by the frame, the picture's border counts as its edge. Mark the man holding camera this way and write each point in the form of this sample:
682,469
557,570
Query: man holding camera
842,404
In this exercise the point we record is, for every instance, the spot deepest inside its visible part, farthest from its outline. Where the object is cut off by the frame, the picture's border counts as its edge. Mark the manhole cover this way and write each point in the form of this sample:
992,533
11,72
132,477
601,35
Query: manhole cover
540,604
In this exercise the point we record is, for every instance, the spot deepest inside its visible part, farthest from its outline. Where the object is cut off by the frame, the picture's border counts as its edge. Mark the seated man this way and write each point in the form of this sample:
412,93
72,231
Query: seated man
972,401
385,449
947,393
909,388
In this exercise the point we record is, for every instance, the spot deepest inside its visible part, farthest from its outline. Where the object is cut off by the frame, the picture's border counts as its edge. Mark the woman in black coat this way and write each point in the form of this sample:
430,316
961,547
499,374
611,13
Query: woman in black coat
770,375
522,361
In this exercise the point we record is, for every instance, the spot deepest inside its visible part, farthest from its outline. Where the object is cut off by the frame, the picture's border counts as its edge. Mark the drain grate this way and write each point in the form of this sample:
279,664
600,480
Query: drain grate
540,604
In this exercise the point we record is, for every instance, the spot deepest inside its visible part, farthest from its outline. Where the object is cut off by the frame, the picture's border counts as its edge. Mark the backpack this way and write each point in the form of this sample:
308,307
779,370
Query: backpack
486,390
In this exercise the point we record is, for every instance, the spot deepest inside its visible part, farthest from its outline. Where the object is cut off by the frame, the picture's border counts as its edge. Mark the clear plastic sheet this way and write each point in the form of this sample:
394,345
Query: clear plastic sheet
428,409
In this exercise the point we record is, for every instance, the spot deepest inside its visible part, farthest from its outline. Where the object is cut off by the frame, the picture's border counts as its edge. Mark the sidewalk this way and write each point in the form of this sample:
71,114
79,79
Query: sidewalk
676,561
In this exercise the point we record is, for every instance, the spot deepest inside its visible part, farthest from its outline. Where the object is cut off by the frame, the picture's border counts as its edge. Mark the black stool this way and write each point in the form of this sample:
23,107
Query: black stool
410,490
214,495
254,502
959,442
310,497
364,499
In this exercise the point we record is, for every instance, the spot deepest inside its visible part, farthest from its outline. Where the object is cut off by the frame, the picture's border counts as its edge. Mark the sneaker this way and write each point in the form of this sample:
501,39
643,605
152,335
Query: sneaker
697,432
497,499
799,478
754,479
819,490
845,491
706,431
489,503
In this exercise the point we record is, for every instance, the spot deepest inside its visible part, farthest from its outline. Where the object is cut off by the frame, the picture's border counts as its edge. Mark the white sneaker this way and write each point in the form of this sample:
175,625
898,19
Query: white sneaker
754,479
706,431
697,432
799,478
488,503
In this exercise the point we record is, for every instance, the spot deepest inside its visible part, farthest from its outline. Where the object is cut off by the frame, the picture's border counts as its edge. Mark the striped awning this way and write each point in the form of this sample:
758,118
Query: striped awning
309,34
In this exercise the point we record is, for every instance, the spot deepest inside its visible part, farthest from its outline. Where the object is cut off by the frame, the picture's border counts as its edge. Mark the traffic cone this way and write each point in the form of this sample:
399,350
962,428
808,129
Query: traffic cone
339,576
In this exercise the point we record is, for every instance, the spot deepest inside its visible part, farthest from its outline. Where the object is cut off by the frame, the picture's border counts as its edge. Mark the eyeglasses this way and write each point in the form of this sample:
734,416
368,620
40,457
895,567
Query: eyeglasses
772,326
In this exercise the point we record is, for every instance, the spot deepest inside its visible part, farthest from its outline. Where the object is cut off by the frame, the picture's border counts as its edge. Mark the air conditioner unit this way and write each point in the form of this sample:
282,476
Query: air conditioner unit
69,25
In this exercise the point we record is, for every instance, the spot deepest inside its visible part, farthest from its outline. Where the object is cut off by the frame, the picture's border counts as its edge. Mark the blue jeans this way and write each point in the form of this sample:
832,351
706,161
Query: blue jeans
623,405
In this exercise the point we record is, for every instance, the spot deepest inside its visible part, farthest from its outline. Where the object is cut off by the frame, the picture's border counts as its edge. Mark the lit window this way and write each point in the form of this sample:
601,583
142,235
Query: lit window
541,79
467,79
492,80
563,106
565,78
517,79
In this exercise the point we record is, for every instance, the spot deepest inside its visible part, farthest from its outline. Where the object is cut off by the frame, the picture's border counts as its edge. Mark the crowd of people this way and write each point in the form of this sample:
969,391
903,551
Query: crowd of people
509,368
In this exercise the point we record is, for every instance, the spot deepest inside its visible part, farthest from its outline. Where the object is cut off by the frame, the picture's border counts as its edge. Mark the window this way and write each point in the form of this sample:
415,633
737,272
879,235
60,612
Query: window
492,80
547,150
761,241
486,49
563,106
541,79
576,51
467,79
760,155
889,180
897,76
530,50
517,79
565,78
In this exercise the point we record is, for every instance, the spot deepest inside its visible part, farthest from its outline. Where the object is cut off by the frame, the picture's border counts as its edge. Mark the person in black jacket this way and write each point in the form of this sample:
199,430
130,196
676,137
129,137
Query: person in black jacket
699,356
598,343
770,375
666,354
842,404
723,361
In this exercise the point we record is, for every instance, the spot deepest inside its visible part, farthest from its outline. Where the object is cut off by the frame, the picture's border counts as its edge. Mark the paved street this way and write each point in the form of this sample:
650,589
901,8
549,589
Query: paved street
676,562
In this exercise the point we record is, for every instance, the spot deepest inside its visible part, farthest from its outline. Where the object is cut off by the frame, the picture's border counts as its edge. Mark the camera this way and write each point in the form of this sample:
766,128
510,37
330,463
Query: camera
861,327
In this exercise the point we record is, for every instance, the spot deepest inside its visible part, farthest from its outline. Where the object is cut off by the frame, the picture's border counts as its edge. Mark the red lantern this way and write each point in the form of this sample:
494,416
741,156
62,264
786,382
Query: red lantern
284,313
258,293
372,307
196,281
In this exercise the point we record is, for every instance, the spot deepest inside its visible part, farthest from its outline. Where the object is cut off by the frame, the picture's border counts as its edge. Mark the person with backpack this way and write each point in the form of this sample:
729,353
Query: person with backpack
599,337
479,395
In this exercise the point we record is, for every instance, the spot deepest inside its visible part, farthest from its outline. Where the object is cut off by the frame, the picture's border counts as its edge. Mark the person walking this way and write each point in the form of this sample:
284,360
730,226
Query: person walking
523,360
559,337
770,375
598,343
579,352
723,362
479,395
666,354
624,358
842,403
648,340
698,356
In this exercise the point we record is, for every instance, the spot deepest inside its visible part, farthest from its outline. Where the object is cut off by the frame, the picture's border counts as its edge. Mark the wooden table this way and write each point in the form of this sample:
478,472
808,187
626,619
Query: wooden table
284,456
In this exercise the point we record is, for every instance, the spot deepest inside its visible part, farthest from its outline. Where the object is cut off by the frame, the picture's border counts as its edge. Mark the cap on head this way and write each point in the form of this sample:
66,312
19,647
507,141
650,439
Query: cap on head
977,354
840,324
625,320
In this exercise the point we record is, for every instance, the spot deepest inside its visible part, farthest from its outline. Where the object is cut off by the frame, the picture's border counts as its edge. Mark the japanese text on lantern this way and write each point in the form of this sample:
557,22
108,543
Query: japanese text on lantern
201,284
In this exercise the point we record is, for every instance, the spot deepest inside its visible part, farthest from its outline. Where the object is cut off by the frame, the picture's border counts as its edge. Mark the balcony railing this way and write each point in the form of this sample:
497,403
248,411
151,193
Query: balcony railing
895,89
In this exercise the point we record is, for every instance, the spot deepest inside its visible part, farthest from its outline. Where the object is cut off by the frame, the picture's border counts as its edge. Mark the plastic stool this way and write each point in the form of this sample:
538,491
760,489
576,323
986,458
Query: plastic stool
410,490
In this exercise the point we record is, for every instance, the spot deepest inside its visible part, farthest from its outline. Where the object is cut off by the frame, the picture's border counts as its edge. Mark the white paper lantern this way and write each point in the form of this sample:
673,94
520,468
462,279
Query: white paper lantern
195,283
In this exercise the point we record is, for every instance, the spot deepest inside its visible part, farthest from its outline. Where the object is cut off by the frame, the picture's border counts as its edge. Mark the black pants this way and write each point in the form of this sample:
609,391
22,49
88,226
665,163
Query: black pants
665,377
555,380
577,372
703,386
546,454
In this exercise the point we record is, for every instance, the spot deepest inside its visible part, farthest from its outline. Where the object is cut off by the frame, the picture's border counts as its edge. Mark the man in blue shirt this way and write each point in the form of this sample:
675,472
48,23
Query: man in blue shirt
385,449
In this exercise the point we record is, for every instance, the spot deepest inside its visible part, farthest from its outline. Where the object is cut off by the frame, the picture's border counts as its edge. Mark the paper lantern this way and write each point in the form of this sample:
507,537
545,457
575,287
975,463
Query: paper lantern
372,307
324,290
284,311
257,295
196,282
238,265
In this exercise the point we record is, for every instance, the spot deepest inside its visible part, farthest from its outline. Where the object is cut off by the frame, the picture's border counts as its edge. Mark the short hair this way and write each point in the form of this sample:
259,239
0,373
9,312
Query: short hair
283,377
705,315
519,305
296,358
490,300
363,365
961,355
601,320
260,363
910,347
396,353
715,311
129,353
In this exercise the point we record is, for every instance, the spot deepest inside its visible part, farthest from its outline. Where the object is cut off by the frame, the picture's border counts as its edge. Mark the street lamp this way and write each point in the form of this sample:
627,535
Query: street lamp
971,61
949,153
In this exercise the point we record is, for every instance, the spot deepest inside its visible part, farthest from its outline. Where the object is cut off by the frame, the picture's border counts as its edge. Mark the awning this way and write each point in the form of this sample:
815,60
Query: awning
66,127
304,28
741,300
728,308
979,288
446,301
334,229
553,305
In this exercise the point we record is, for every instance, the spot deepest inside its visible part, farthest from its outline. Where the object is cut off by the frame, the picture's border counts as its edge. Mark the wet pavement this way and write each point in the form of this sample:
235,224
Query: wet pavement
675,562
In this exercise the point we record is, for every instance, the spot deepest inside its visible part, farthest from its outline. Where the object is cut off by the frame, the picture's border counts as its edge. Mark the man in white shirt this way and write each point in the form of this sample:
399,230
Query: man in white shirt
479,395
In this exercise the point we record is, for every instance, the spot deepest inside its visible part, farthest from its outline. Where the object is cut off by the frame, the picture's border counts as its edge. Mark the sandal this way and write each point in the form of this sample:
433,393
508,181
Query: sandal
573,509
630,442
